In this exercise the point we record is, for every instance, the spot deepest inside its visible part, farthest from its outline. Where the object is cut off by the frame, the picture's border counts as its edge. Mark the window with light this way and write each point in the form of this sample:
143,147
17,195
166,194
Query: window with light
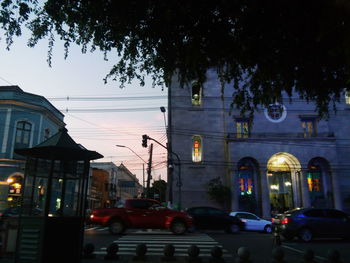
347,97
314,184
309,127
242,128
197,149
245,180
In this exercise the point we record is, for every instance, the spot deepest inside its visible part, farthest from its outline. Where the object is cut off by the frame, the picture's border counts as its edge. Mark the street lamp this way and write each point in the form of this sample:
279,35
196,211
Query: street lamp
143,165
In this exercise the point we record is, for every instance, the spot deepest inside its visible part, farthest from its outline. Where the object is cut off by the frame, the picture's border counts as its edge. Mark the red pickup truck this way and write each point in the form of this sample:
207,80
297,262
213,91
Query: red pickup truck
141,213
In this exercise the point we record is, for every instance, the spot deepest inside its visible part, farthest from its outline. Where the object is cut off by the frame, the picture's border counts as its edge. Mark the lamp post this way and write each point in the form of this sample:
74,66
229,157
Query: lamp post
170,163
143,164
171,167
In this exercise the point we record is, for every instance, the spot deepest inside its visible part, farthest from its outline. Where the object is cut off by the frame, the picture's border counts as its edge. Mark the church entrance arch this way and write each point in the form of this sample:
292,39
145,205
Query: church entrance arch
284,182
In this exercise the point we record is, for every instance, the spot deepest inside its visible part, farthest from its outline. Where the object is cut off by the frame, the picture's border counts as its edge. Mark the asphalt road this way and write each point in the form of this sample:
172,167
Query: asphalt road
260,245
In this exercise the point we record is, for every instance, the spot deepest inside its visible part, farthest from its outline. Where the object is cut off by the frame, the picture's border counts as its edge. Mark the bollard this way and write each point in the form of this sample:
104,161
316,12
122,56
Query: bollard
169,251
193,253
88,251
243,255
277,255
308,257
216,255
112,251
276,235
333,256
140,252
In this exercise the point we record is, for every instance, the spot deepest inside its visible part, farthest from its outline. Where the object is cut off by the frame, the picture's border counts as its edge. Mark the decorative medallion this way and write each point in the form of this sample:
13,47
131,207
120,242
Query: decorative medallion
276,112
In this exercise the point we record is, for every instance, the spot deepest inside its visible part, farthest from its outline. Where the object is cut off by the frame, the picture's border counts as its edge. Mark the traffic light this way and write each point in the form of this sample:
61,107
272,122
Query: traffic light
144,140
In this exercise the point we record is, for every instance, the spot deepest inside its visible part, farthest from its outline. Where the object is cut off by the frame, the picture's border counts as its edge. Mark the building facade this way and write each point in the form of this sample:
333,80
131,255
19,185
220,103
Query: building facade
284,157
26,120
103,184
128,184
110,183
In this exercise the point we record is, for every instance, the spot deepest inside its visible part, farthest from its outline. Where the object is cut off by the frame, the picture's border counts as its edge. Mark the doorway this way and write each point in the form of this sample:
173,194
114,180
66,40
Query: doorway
283,182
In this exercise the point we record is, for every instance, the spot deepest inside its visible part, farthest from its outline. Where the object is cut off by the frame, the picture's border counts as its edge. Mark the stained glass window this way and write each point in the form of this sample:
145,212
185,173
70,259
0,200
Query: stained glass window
197,149
242,128
245,180
309,127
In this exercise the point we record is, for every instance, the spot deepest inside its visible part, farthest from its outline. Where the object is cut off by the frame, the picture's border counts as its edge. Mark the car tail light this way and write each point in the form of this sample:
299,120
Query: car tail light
285,221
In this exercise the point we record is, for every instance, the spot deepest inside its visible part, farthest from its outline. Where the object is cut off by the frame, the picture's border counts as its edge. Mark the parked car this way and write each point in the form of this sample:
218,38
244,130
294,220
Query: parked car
253,222
212,218
309,223
141,213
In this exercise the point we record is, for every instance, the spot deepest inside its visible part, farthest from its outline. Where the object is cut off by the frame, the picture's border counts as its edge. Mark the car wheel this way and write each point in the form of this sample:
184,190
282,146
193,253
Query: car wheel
116,227
305,235
178,227
234,229
268,229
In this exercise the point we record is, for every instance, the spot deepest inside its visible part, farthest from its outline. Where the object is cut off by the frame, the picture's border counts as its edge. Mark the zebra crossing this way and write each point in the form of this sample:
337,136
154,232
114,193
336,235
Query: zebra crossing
95,228
156,241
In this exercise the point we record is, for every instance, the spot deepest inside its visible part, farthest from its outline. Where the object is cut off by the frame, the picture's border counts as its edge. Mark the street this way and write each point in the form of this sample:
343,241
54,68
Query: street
260,245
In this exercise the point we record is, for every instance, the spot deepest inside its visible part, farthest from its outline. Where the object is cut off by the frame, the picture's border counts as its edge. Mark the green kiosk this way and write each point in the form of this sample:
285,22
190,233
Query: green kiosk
51,226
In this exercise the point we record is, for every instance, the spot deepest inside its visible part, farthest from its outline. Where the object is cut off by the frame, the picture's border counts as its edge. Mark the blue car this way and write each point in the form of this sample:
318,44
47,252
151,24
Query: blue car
310,223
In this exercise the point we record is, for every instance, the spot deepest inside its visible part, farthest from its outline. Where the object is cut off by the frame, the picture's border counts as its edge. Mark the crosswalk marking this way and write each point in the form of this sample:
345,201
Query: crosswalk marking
96,228
156,242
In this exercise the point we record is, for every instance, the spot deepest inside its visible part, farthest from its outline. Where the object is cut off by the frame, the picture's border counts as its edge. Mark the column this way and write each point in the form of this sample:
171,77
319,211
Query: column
304,188
265,195
336,191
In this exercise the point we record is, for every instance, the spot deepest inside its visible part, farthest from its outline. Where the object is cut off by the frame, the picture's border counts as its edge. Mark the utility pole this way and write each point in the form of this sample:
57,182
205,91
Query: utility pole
149,170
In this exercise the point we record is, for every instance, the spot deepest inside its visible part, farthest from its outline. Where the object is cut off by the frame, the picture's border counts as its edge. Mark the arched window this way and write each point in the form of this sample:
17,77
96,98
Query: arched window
245,179
23,133
197,149
347,97
319,183
247,189
196,94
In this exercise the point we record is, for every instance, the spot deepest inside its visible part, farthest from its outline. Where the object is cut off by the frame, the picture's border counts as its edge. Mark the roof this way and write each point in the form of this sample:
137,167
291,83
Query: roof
59,147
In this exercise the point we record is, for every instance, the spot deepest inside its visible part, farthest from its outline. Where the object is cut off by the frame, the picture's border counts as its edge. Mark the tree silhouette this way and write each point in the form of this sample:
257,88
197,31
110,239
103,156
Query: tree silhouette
263,48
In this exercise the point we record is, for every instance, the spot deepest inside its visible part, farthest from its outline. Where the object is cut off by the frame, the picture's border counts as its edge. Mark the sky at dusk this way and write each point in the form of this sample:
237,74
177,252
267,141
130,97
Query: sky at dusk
99,115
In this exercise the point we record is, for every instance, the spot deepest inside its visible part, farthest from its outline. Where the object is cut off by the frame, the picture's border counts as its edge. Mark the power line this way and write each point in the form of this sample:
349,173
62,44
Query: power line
112,98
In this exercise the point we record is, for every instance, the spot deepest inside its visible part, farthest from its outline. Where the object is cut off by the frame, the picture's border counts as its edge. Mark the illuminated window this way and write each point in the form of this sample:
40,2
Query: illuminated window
245,180
197,149
242,128
347,97
309,127
196,94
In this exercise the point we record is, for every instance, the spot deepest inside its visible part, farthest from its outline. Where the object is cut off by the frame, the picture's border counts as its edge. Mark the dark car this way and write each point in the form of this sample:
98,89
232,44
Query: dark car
309,223
214,219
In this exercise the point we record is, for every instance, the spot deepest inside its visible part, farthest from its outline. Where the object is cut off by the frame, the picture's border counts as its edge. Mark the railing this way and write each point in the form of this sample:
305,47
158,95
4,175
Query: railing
280,135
